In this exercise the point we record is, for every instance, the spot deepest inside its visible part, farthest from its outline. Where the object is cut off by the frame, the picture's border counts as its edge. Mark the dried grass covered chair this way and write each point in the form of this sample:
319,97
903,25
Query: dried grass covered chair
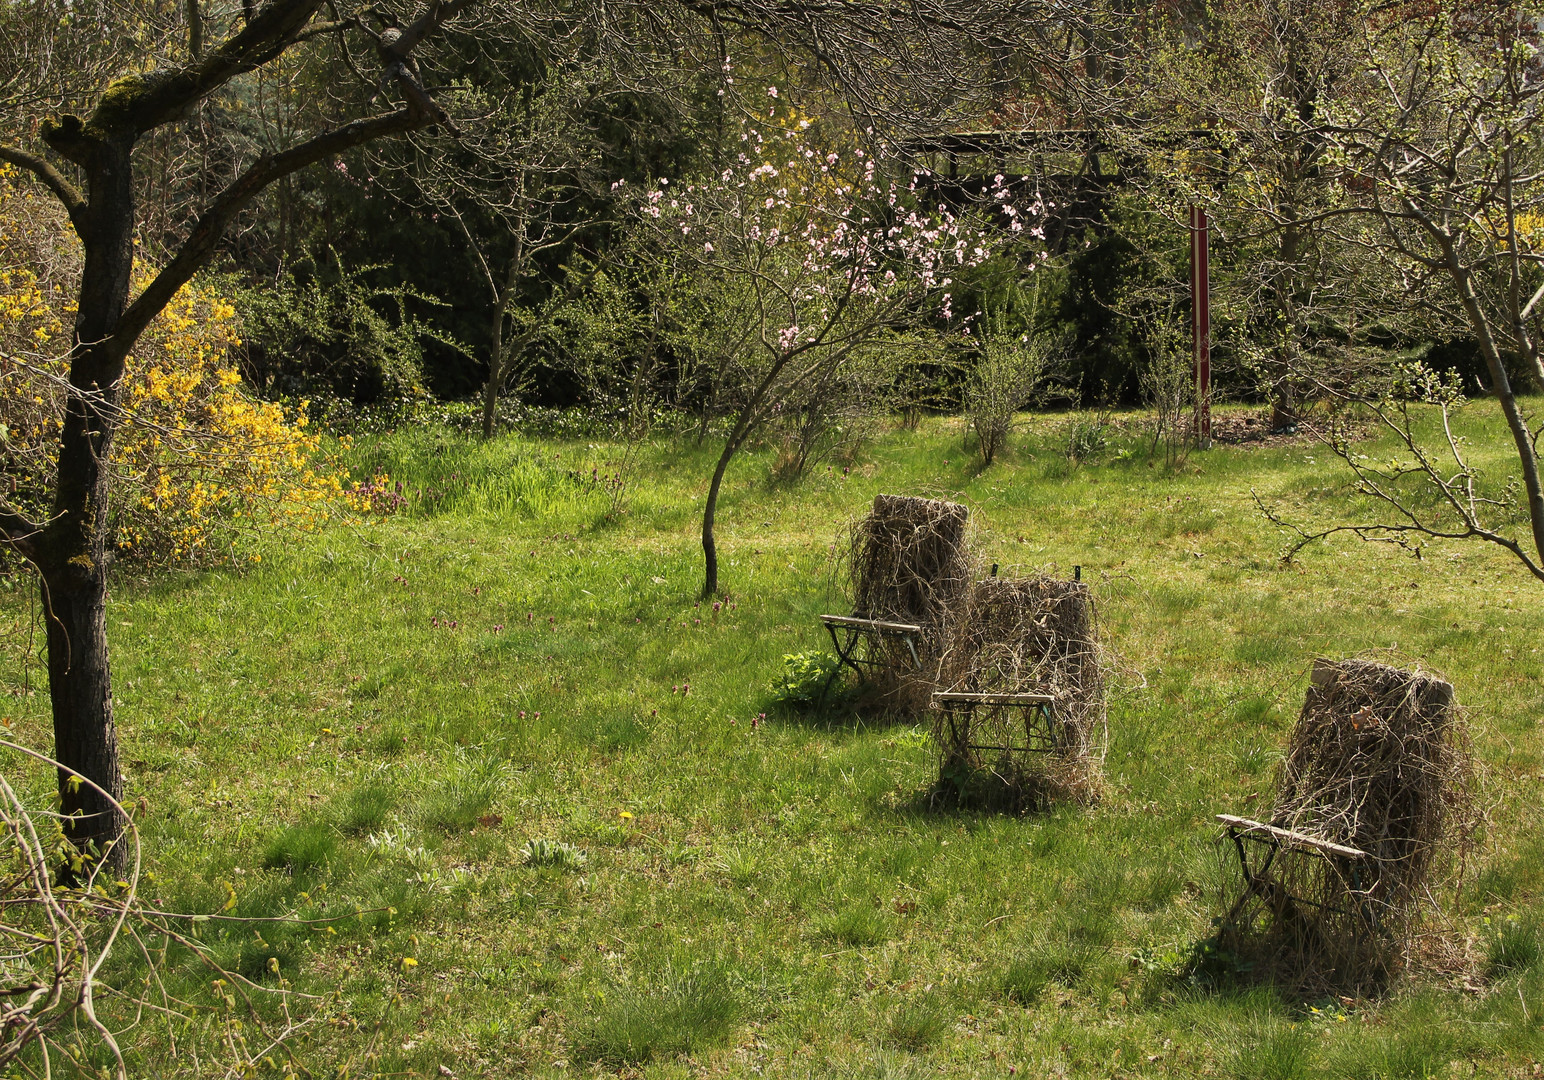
1371,798
1021,693
908,567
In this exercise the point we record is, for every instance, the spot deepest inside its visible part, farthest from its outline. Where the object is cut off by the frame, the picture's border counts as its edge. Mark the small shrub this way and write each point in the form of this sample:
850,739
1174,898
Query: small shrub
539,851
1008,370
804,678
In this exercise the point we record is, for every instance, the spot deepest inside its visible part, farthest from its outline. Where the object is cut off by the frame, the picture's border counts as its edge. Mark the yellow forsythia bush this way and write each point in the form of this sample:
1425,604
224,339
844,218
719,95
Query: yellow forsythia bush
197,462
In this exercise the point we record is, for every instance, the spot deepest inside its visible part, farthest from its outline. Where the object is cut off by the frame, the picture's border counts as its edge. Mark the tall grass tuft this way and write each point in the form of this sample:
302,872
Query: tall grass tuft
688,1011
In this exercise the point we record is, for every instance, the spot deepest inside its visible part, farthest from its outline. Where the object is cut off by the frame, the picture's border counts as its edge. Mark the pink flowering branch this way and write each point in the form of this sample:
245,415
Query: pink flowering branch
833,252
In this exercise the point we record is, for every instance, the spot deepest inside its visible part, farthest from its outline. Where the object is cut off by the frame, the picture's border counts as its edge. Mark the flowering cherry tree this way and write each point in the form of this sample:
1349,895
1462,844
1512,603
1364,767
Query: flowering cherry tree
812,253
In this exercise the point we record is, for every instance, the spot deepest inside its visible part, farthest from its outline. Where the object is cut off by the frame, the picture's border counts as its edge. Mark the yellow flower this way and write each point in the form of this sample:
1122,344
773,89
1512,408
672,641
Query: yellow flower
210,462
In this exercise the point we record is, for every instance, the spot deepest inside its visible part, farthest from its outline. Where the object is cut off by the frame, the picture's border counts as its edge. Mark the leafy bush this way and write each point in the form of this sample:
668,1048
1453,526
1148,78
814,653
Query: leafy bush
1007,372
804,678
202,461
335,335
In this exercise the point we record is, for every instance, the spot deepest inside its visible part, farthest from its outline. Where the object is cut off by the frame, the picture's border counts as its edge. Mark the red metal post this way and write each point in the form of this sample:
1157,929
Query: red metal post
1201,322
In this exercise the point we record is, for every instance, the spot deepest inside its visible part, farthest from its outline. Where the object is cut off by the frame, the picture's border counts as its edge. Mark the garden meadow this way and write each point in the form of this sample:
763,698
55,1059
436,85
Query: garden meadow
489,788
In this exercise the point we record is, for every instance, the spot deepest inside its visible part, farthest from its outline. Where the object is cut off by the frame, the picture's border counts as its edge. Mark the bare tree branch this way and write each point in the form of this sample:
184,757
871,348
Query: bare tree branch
74,202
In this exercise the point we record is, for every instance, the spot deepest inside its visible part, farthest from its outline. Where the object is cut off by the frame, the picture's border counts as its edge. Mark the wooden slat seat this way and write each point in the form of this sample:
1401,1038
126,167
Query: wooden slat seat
1286,837
877,625
965,696
1039,723
849,631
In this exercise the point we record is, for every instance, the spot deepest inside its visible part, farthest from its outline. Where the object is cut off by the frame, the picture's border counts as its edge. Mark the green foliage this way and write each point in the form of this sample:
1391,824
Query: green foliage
1007,372
1088,435
335,334
804,678
541,851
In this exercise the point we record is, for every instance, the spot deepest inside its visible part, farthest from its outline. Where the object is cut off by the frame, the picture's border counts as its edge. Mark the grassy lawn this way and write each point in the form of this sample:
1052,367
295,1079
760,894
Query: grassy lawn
469,722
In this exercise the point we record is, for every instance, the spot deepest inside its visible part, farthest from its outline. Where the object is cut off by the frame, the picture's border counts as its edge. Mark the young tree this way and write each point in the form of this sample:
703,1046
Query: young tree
1436,150
811,255
88,162
518,183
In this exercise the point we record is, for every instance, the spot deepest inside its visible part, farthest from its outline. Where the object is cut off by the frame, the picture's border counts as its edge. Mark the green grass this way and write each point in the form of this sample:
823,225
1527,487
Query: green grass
596,868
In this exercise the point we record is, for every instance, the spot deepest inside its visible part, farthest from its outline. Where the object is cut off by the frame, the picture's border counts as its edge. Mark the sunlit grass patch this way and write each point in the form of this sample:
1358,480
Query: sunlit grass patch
782,895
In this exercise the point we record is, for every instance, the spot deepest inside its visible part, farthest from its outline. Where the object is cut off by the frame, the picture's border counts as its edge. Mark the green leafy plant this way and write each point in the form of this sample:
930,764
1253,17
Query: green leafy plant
539,851
804,678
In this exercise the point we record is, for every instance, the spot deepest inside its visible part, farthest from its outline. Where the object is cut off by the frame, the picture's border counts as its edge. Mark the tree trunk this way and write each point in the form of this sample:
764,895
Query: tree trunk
80,691
498,361
709,512
73,559
495,375
1522,435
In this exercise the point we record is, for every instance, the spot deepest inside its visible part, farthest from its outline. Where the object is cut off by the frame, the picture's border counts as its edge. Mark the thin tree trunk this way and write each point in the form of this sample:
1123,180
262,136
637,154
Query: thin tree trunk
1522,435
709,512
80,691
495,369
497,361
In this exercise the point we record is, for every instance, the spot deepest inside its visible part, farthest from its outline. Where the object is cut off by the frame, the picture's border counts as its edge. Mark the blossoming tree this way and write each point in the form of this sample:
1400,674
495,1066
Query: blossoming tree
812,253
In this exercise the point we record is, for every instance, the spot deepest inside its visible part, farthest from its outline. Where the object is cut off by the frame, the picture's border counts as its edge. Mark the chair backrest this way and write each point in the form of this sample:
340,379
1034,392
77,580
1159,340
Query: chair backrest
1024,635
1372,764
910,562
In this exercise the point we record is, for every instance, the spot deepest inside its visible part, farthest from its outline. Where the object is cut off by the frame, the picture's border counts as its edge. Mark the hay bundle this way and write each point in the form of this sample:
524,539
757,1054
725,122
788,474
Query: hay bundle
1036,635
1379,762
909,562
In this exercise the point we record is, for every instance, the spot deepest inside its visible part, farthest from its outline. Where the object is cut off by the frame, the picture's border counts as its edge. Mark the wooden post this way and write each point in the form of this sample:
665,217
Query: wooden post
1201,322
